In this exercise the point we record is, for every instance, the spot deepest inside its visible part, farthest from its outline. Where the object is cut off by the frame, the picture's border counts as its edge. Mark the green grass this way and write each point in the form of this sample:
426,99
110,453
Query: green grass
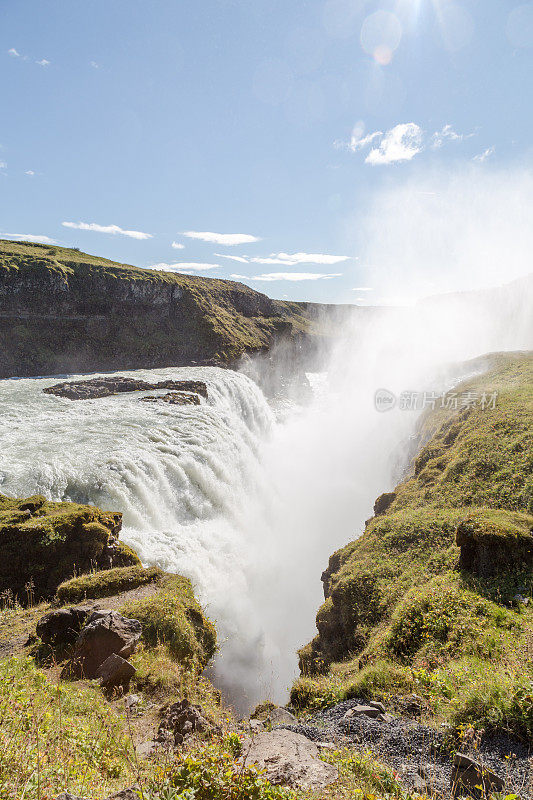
402,612
55,736
174,618
106,583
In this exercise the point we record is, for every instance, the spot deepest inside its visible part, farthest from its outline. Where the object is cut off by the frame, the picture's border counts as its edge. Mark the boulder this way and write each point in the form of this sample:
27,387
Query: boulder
280,716
106,633
62,626
289,759
376,704
115,671
471,778
360,711
180,720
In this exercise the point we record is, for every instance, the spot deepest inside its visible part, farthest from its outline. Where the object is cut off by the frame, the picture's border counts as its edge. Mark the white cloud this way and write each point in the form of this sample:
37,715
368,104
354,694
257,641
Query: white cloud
178,246
114,229
241,259
222,238
288,276
485,154
288,259
94,65
14,53
446,134
401,143
311,258
3,164
30,172
43,62
362,289
183,266
358,141
28,237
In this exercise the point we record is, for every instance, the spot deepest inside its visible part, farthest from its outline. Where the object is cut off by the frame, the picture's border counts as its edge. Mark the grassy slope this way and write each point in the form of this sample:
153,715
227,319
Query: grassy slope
400,615
56,734
216,318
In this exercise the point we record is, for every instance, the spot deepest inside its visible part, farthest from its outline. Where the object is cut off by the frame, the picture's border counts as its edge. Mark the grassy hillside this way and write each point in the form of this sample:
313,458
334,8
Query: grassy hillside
58,734
426,599
63,310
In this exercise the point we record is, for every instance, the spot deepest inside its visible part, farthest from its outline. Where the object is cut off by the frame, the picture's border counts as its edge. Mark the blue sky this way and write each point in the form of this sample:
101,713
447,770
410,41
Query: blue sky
309,125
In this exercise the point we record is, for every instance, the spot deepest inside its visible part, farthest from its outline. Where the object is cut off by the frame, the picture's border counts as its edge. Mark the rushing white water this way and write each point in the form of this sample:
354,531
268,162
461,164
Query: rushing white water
248,507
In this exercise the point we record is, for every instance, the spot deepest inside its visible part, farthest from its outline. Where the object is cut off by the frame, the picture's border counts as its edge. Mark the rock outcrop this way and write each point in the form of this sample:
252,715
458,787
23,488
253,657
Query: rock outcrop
105,387
61,626
106,633
180,720
42,543
472,779
289,759
174,399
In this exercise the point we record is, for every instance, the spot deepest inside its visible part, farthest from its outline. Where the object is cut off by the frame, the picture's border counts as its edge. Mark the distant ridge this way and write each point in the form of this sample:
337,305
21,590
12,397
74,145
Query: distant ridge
65,311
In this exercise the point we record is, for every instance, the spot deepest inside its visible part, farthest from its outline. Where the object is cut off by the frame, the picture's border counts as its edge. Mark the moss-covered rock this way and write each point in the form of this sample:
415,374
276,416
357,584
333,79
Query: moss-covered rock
106,583
43,543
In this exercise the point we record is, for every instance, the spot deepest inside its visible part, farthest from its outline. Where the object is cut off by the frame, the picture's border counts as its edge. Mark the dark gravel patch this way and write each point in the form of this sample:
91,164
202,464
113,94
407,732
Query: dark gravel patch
417,752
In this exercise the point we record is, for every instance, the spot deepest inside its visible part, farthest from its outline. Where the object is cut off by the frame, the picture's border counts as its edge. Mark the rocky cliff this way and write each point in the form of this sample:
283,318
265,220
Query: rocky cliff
65,311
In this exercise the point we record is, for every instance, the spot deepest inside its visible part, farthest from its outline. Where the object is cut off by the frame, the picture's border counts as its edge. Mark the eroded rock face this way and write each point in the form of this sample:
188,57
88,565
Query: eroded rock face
105,387
105,634
288,758
43,542
495,542
383,502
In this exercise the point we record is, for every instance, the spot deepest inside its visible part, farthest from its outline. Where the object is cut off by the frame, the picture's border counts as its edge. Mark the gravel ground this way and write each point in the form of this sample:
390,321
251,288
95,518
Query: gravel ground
415,750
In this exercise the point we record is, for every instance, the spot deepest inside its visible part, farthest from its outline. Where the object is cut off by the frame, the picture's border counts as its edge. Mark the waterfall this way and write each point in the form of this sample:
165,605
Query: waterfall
247,504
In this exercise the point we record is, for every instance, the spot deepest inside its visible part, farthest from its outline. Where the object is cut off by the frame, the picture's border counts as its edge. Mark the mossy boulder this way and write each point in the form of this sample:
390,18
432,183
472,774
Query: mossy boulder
106,583
43,543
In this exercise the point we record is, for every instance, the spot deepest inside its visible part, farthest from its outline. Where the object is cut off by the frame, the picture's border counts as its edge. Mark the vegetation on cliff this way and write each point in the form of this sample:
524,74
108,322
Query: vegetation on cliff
67,311
44,543
433,598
